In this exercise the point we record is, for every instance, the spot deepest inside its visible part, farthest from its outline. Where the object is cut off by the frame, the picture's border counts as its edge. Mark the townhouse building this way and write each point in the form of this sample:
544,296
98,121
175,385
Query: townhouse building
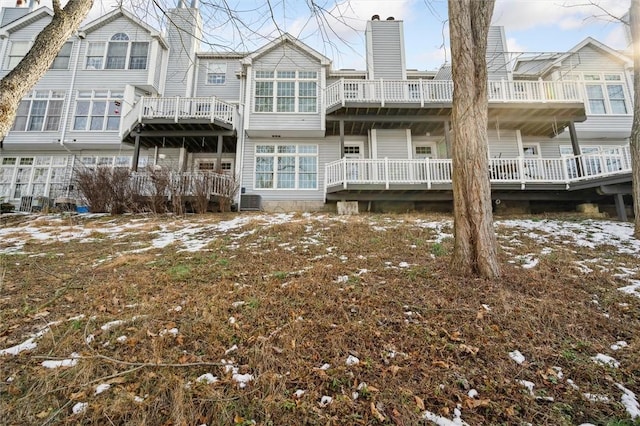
300,135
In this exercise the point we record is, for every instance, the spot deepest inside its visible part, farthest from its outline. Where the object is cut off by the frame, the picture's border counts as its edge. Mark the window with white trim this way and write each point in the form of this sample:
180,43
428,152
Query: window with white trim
216,73
606,93
61,61
97,110
118,54
111,161
286,166
286,91
17,50
40,110
37,176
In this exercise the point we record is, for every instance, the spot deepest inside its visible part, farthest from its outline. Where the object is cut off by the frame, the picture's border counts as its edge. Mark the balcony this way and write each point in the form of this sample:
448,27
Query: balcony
196,114
428,174
424,92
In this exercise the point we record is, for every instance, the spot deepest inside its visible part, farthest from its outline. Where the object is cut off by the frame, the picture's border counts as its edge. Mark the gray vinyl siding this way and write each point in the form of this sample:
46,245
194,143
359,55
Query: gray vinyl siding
157,73
591,59
392,144
328,151
230,90
386,50
533,67
181,52
286,58
496,61
10,14
28,33
503,146
86,79
615,125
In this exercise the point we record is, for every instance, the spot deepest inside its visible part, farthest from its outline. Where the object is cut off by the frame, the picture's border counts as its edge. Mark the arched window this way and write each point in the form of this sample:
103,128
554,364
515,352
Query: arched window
121,53
117,52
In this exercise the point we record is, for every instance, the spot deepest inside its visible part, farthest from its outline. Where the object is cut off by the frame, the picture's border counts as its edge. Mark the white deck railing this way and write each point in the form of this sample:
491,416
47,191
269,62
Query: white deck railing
183,183
421,92
522,170
177,109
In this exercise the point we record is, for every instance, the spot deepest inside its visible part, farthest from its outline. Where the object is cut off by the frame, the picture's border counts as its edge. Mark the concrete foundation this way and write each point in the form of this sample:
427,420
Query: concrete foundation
512,207
347,208
297,206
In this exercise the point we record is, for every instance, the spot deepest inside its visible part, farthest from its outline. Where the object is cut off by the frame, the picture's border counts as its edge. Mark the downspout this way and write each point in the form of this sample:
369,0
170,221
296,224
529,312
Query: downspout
65,122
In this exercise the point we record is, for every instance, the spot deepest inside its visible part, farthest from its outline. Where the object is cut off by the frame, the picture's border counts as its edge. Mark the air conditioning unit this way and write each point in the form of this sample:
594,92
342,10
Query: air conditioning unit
250,202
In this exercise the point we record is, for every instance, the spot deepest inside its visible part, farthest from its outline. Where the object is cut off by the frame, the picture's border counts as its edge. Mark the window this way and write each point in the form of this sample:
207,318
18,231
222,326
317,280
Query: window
61,62
119,161
286,91
286,166
17,50
97,110
605,94
39,111
118,54
216,73
37,176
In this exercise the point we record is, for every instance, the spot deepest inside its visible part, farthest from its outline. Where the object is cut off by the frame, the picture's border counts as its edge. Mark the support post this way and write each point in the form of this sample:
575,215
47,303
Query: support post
576,147
447,139
219,153
620,209
136,151
341,138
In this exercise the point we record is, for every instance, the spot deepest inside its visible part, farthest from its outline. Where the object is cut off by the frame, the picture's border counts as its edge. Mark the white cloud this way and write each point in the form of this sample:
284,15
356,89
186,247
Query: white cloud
514,46
566,14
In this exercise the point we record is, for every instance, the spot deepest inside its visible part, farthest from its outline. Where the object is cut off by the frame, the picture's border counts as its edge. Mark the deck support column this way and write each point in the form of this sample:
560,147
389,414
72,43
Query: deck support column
620,209
341,138
219,153
447,140
136,150
575,146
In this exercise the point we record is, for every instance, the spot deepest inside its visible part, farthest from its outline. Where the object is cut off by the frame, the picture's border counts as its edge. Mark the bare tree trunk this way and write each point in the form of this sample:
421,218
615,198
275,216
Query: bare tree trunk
475,247
634,143
37,61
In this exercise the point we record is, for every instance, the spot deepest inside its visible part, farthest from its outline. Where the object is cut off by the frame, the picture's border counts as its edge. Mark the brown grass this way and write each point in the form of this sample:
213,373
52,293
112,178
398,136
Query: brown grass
421,333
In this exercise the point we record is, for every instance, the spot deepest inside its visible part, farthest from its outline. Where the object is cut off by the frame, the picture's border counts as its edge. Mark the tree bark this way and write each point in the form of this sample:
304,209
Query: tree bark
475,246
634,142
15,85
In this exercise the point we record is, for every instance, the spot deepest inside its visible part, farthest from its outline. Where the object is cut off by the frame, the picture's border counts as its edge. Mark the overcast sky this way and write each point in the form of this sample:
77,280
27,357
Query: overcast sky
530,25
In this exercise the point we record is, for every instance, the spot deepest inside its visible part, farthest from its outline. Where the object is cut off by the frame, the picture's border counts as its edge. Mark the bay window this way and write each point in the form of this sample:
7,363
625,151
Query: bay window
286,166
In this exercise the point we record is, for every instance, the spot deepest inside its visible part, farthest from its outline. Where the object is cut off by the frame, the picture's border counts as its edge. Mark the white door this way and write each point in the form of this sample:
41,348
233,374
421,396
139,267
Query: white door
420,171
354,151
531,153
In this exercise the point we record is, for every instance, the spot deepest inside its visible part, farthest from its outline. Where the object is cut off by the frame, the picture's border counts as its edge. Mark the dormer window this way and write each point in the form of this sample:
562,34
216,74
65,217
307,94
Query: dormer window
118,54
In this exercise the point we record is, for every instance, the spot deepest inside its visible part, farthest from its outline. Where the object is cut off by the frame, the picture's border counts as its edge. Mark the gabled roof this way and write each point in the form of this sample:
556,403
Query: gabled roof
28,19
283,39
555,60
118,13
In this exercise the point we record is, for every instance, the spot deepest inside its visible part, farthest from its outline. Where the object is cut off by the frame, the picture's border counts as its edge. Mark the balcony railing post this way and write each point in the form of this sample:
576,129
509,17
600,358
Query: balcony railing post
177,113
428,168
344,172
503,90
342,90
386,172
381,93
543,95
421,94
521,170
213,108
140,110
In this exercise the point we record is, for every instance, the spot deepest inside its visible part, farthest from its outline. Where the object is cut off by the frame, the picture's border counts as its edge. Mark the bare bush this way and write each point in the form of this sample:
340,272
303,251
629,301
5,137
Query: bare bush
228,190
106,189
202,192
